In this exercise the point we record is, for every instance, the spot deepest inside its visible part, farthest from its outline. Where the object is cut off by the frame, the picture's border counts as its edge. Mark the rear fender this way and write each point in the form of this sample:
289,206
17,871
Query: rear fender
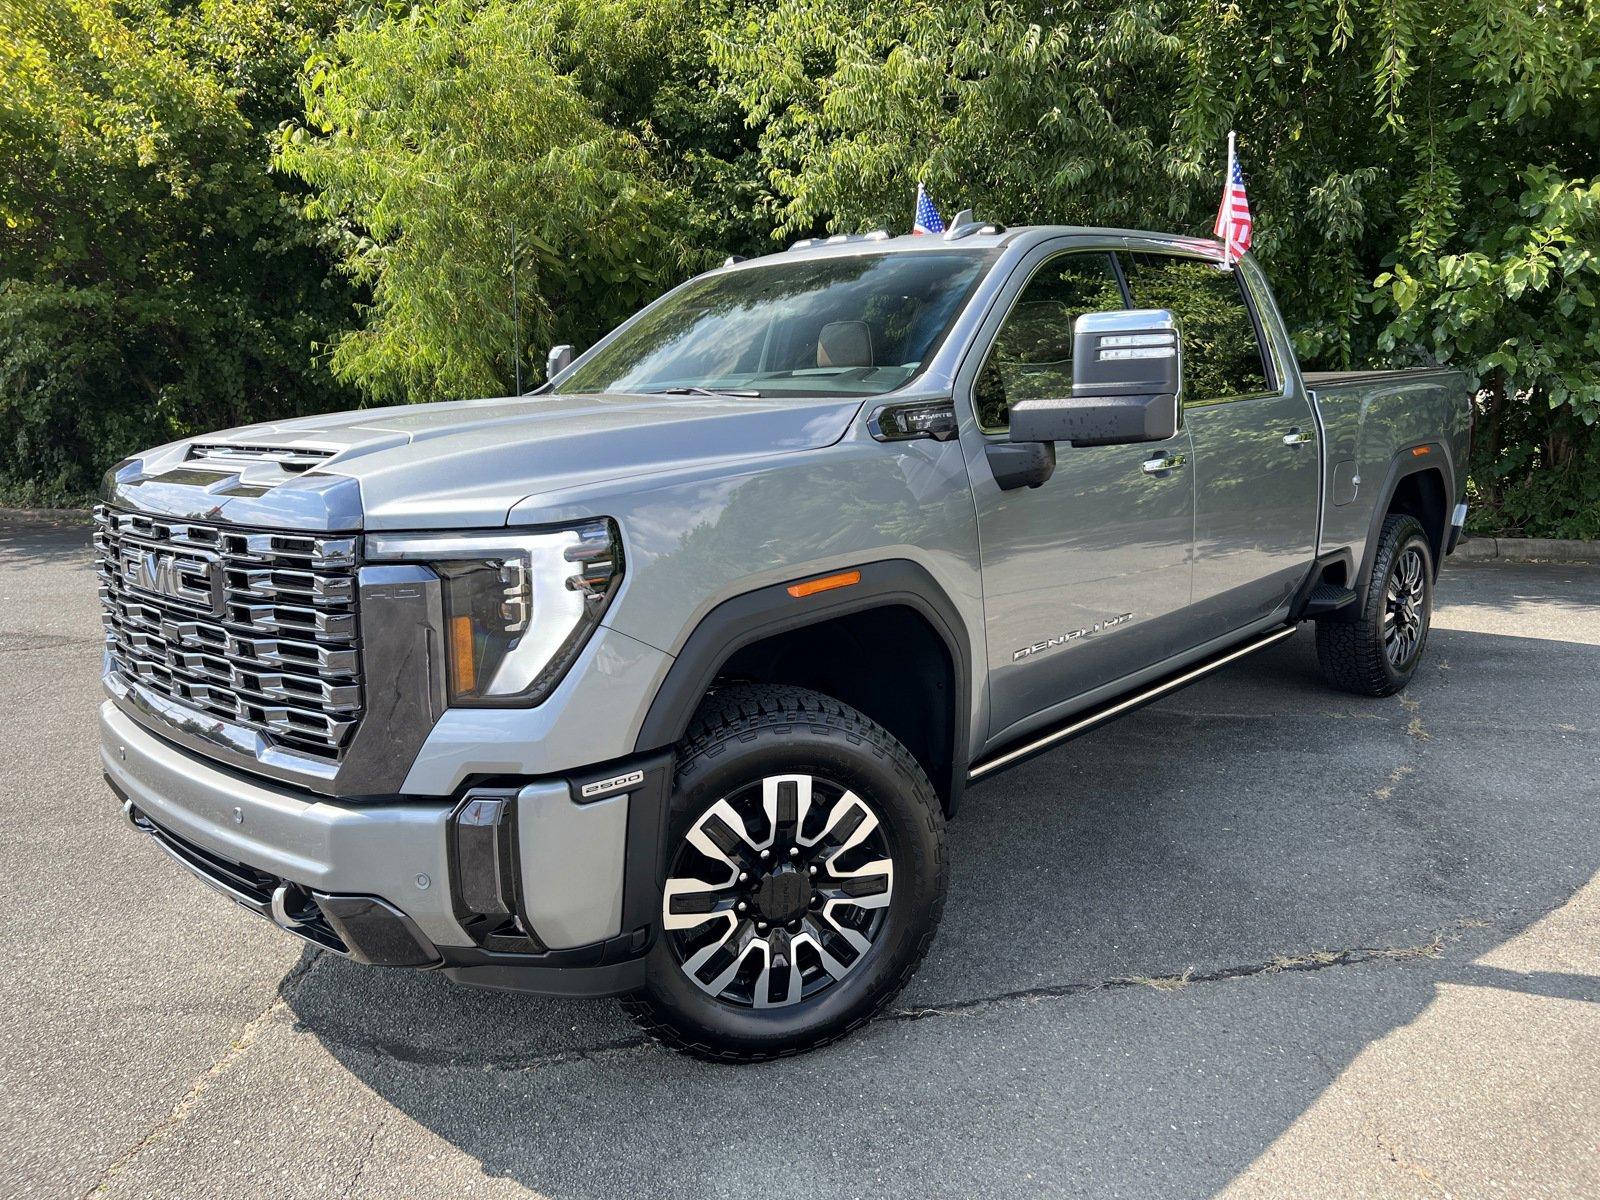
1413,459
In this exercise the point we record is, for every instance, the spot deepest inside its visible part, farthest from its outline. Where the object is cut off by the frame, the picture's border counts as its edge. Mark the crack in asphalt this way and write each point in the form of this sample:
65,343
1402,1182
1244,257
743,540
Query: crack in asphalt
352,1188
12,643
1316,960
248,1033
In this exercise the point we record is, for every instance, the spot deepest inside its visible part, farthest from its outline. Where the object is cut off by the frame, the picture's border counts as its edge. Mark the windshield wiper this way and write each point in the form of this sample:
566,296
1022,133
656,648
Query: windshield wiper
696,390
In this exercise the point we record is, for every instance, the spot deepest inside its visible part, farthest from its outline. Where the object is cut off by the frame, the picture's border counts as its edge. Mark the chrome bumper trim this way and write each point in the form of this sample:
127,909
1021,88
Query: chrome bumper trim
233,744
398,851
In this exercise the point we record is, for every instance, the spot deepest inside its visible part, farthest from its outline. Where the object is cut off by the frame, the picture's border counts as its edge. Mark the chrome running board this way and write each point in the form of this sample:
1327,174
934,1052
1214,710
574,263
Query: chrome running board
1039,743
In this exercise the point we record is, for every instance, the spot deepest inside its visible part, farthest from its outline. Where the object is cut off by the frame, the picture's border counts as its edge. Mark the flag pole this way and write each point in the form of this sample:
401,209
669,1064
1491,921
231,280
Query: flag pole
1227,184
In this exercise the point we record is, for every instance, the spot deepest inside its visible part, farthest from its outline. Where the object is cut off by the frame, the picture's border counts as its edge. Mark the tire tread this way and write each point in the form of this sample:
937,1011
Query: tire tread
1351,652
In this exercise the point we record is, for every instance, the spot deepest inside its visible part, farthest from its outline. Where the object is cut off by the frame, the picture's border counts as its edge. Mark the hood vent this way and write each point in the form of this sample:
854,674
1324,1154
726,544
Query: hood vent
290,458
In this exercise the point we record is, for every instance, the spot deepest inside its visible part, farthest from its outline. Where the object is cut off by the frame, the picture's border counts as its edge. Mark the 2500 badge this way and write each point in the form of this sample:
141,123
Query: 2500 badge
1061,639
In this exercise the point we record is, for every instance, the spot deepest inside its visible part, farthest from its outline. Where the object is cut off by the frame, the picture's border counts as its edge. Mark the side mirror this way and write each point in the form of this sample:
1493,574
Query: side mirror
557,361
1127,374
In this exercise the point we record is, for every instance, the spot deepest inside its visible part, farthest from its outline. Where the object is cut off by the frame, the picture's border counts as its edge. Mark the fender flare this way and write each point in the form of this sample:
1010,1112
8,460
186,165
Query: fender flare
1405,463
765,612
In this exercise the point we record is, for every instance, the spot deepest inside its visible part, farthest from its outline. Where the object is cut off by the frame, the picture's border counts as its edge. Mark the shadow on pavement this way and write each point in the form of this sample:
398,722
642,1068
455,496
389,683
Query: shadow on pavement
28,542
1357,853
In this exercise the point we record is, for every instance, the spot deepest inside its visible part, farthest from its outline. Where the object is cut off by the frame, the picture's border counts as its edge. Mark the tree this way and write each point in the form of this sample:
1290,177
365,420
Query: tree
153,277
504,176
1421,171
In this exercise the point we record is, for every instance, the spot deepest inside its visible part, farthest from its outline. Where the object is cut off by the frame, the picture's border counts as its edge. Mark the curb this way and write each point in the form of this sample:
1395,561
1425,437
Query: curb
1487,549
46,516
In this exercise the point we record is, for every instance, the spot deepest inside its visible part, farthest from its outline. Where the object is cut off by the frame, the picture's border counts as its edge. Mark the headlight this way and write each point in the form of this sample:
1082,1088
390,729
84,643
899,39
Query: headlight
517,606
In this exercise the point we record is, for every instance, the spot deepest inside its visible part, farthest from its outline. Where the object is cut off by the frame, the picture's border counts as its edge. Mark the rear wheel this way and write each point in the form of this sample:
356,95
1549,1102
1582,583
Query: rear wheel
805,877
1376,652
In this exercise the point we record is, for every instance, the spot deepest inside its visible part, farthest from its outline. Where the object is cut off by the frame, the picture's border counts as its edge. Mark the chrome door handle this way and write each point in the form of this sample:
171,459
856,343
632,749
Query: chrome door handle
1163,464
1296,438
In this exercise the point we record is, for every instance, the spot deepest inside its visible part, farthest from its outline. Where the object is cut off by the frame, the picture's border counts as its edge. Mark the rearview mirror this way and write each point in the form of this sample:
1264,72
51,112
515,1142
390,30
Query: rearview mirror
557,361
1127,373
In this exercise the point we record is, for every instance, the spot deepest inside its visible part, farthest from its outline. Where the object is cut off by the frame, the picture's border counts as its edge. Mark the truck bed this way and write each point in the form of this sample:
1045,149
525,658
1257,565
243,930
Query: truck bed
1370,417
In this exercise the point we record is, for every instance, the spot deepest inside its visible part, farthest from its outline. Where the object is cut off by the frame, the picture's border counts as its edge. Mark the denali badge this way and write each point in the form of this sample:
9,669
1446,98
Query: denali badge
1061,639
604,787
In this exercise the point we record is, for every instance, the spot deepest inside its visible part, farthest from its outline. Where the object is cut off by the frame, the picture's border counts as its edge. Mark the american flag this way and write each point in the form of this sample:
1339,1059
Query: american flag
926,219
1233,216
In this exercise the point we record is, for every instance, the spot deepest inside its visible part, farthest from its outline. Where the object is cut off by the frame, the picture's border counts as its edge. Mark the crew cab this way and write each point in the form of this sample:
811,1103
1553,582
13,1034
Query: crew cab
664,680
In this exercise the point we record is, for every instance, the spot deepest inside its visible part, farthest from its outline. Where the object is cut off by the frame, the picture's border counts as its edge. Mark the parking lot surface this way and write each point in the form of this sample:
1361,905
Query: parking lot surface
1261,939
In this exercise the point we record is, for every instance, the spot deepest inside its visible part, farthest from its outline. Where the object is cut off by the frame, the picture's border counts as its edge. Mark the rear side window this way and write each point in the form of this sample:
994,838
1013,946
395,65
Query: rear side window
1032,354
1221,352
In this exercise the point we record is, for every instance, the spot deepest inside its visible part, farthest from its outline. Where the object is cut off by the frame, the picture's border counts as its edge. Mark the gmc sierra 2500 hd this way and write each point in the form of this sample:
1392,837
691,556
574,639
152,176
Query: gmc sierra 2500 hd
662,681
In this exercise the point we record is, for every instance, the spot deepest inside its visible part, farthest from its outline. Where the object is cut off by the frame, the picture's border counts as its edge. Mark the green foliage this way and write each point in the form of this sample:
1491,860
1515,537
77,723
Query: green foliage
471,148
153,278
1422,173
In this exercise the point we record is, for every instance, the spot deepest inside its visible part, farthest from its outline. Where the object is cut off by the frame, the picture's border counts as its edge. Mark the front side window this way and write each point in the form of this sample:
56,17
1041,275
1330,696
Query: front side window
1032,354
1221,353
856,325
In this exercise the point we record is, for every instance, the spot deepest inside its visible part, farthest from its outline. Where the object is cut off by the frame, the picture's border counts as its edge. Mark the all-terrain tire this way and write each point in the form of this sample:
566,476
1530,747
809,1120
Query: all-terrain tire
744,737
1359,652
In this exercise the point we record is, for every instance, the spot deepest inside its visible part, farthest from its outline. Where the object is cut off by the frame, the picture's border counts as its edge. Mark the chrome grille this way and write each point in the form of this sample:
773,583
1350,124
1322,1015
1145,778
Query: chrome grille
258,628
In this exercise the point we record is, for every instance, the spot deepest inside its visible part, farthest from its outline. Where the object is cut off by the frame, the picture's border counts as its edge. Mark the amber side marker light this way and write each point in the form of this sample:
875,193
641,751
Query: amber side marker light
1419,451
824,584
463,673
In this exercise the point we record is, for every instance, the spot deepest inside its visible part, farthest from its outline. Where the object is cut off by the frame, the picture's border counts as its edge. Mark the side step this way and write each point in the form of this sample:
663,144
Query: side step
1327,598
1039,742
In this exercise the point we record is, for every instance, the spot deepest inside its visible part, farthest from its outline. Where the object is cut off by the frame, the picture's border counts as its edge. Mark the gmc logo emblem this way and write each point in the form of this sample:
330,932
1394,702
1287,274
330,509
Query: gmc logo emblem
189,579
158,572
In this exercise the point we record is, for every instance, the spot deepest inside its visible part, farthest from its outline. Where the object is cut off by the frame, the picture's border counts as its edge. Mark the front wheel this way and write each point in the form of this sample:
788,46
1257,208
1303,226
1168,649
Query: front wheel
805,877
1376,652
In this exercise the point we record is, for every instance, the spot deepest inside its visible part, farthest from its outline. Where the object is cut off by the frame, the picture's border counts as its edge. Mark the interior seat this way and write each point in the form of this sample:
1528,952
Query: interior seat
844,344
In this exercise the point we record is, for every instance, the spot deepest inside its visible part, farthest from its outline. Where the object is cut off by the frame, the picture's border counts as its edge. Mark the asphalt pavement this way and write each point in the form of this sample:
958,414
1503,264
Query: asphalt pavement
1261,939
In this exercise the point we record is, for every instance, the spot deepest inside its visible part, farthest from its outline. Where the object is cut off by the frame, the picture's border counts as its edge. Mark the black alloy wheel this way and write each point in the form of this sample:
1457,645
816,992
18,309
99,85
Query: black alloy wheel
1374,650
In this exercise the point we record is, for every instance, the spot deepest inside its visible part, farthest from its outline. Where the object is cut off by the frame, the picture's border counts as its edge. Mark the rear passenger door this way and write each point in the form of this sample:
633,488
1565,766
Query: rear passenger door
1256,470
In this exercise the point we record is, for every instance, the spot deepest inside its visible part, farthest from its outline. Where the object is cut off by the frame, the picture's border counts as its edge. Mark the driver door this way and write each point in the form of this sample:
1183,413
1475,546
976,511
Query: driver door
1084,576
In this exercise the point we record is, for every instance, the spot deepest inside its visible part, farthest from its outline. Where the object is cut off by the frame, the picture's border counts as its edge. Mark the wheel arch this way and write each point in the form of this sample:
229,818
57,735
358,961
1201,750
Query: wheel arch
1420,481
908,664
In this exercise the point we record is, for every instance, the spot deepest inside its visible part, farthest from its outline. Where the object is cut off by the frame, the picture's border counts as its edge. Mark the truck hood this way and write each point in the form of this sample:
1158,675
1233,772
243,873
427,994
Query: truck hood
462,464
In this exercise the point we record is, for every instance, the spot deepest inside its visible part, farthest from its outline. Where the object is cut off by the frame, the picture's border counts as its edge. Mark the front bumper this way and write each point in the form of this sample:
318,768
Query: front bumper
378,882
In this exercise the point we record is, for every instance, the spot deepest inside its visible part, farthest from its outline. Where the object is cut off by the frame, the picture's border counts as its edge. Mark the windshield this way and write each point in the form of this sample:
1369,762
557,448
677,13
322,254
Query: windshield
859,325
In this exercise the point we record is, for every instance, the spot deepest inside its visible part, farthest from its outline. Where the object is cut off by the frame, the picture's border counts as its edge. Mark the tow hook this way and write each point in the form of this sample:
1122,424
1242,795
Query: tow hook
280,908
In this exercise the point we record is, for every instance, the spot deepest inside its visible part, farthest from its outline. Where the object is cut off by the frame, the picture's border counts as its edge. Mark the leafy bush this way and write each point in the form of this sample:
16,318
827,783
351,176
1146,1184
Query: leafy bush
499,183
155,277
1422,173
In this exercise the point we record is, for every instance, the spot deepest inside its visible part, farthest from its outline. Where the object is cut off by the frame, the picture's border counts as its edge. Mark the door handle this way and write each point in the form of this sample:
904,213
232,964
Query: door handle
1162,464
1296,437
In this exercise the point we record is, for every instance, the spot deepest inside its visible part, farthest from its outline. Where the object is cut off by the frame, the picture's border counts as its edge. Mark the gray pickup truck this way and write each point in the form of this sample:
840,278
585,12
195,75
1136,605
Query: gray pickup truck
662,682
